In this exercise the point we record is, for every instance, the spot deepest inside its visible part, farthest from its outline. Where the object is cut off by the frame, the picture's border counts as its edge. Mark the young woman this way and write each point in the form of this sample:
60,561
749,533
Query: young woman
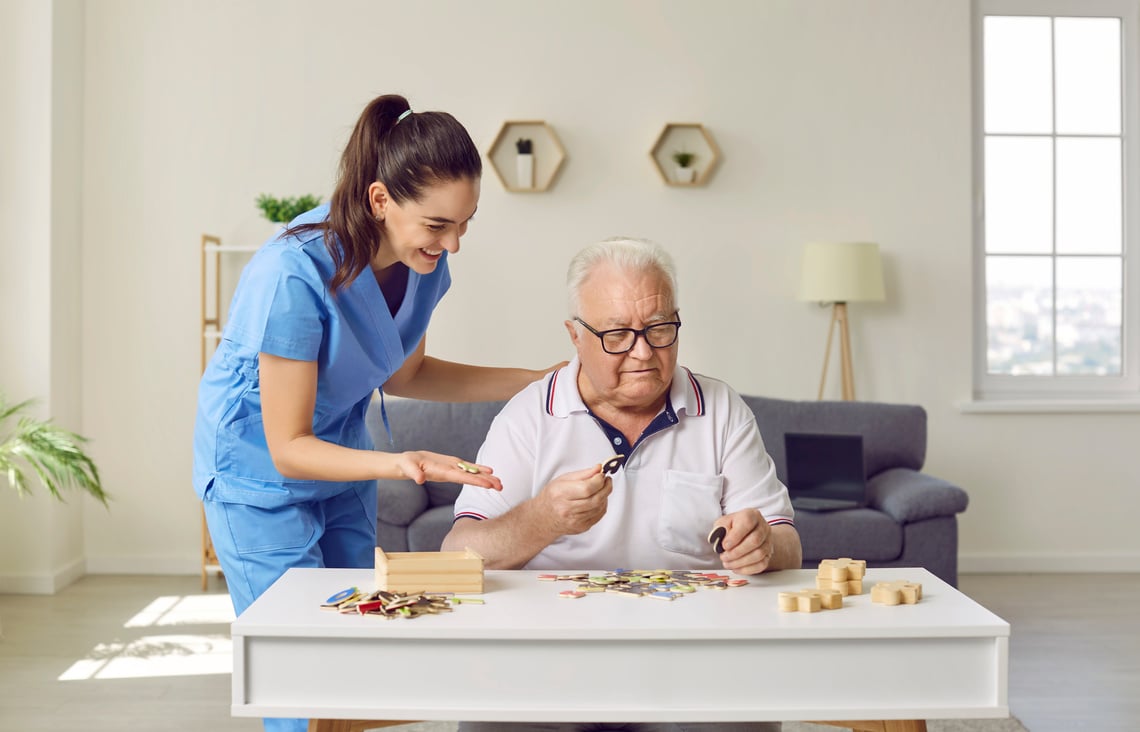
334,307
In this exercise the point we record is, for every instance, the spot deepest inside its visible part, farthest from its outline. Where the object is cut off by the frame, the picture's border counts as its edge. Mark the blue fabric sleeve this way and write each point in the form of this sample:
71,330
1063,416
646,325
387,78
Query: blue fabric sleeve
279,307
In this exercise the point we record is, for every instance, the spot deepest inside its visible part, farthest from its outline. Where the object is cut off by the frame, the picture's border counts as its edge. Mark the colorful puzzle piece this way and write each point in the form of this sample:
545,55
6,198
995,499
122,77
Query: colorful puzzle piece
899,592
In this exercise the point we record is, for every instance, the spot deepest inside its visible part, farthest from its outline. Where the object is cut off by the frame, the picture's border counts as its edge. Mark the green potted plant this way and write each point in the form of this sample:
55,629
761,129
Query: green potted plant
684,160
284,210
54,454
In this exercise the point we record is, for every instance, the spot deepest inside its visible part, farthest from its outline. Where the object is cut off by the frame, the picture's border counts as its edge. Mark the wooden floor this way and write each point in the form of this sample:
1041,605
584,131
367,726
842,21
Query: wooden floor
152,653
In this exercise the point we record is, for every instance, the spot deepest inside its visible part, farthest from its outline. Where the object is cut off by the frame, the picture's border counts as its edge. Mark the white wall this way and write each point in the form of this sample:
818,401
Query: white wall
41,57
837,120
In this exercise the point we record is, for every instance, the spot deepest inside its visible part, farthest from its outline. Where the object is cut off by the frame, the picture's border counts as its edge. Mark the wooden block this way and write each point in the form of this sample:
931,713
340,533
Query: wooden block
899,592
843,569
429,571
809,601
823,583
830,599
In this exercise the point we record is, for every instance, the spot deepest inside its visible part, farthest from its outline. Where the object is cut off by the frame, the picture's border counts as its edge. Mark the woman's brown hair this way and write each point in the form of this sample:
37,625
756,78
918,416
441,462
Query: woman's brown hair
407,153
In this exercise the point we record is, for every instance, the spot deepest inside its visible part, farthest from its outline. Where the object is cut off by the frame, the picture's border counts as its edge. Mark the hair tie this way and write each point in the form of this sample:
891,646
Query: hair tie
405,114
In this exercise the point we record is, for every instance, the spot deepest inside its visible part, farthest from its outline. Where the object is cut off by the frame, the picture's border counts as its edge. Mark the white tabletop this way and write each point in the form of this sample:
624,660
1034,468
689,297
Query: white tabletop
713,655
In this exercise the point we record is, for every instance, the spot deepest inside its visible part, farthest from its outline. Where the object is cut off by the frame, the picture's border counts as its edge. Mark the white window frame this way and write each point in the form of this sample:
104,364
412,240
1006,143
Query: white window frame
1121,388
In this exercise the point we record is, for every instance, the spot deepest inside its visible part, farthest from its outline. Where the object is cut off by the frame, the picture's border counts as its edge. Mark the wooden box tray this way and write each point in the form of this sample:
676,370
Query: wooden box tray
429,571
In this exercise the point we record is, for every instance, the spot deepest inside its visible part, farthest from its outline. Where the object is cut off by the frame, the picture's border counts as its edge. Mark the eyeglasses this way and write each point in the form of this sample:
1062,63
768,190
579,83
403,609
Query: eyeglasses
622,340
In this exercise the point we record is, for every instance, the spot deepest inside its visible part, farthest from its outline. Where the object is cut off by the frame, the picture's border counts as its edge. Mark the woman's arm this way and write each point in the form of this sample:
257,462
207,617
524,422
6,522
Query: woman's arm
288,398
424,377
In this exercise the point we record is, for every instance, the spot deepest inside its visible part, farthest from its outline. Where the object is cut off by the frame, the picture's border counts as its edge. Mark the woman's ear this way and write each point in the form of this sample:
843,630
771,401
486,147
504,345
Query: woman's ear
378,199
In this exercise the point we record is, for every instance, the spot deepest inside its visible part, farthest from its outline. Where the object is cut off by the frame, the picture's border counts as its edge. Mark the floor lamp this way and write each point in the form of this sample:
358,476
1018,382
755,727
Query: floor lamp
839,273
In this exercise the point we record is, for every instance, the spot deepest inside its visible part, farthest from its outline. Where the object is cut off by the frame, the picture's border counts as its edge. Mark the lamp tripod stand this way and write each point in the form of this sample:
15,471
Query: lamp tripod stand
839,315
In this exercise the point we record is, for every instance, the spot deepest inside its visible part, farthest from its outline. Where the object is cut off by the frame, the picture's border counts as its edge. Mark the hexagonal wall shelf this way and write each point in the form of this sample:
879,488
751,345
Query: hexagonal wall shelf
688,138
522,172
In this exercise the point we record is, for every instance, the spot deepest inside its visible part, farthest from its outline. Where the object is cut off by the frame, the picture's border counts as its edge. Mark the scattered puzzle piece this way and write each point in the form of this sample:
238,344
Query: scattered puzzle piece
899,592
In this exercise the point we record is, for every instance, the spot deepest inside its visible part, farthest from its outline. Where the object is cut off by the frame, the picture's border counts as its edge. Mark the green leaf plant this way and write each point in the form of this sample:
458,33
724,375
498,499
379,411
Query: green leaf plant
54,454
284,210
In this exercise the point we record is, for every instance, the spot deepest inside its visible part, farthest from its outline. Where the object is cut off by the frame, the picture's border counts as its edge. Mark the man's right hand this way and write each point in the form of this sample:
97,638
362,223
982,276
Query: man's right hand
575,501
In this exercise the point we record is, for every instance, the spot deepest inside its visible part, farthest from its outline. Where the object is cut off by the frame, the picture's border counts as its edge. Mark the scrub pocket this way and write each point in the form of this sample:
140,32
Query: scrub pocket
690,503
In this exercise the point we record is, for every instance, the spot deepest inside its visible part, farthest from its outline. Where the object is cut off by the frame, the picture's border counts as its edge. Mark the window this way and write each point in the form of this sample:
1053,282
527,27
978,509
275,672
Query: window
1058,179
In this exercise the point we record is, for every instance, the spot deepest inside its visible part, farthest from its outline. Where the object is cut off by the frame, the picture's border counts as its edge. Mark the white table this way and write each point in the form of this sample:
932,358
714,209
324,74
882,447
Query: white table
713,655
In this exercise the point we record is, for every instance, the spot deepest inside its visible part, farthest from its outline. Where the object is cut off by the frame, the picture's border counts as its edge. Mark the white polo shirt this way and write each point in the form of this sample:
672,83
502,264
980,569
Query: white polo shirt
706,459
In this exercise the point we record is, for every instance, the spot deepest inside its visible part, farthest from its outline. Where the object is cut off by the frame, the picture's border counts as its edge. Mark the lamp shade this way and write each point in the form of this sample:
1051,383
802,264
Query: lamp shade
841,272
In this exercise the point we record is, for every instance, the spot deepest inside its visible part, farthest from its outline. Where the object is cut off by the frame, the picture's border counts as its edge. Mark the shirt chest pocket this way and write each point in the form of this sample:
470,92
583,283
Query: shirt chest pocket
690,503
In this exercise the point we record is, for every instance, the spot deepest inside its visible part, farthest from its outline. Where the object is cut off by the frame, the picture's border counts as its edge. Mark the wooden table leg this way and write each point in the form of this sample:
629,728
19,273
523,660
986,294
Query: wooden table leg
884,725
352,725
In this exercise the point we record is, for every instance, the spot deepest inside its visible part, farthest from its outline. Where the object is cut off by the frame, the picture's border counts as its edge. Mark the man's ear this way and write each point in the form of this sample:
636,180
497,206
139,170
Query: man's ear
572,329
378,199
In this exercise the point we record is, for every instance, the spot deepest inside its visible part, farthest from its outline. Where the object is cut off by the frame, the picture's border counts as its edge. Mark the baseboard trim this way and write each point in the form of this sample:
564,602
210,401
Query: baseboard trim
1048,564
42,584
143,565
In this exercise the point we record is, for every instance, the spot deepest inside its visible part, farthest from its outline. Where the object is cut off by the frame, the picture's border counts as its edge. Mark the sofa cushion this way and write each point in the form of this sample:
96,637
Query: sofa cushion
894,435
857,532
907,495
426,533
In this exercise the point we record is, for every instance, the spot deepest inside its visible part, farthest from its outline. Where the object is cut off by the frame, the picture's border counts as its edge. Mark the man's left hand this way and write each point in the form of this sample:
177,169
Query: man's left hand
749,544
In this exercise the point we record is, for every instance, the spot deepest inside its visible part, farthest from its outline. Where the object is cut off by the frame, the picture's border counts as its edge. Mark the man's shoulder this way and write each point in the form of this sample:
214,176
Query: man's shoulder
713,394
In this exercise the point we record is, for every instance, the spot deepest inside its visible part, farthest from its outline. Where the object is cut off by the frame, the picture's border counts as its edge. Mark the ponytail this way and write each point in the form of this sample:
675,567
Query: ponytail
407,152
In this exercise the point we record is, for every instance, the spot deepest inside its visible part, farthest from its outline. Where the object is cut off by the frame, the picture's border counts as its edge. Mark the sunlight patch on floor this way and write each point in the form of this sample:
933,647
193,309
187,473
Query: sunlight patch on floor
184,610
155,655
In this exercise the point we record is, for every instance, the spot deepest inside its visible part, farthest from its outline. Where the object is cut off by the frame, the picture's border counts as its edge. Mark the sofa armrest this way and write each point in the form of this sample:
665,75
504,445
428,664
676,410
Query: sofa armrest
398,502
908,495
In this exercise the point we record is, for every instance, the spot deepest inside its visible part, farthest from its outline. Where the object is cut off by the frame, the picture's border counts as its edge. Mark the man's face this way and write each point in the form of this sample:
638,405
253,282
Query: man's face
615,298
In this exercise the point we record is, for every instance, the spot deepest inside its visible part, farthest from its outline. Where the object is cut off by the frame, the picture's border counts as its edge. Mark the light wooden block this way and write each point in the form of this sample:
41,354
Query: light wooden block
899,592
429,571
809,601
842,569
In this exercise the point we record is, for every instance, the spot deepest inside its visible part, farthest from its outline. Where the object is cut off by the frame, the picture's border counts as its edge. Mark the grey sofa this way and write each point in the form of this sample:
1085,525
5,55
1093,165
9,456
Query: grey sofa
911,519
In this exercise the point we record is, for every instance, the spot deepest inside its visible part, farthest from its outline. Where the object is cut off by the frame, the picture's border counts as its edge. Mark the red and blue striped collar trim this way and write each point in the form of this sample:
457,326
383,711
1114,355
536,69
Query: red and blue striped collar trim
698,395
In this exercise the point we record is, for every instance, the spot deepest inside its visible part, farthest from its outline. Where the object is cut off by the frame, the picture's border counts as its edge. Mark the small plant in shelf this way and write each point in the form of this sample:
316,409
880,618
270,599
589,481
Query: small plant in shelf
685,170
524,146
683,158
284,210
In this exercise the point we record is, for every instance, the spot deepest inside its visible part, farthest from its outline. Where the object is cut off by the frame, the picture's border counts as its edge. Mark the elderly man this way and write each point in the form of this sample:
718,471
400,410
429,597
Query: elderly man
692,456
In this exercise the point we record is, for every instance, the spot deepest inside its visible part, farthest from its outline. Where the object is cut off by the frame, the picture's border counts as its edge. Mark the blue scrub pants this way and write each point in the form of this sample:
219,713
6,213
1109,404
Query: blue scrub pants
256,545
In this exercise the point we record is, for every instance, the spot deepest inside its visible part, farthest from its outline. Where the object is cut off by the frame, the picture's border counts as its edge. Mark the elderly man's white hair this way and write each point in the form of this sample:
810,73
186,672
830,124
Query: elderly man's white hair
627,254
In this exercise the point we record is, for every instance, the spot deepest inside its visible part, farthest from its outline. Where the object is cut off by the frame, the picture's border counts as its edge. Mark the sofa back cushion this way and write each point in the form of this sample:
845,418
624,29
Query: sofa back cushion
451,429
894,435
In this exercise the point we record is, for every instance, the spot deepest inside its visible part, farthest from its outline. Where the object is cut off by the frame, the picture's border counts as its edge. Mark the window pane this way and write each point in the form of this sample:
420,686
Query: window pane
1019,195
1019,315
1088,75
1089,218
1089,315
1018,74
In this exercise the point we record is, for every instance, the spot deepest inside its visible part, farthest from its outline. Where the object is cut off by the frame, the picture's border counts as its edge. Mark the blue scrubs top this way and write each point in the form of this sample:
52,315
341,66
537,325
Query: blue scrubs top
283,306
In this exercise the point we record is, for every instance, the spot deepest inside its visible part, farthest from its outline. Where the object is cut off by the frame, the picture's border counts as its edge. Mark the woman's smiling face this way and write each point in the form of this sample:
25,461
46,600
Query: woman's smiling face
418,232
